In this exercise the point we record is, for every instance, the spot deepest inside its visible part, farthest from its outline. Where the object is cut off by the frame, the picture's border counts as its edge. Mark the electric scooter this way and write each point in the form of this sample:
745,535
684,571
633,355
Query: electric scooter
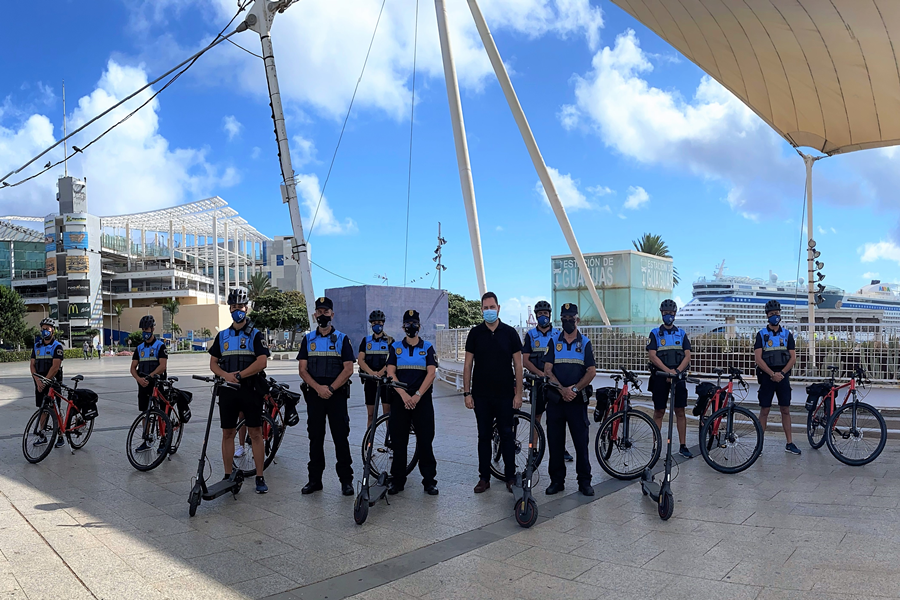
233,484
661,491
525,507
370,494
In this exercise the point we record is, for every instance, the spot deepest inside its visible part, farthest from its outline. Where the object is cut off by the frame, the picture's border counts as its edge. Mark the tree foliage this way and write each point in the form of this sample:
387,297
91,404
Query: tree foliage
281,310
135,338
654,244
12,316
258,286
172,306
464,313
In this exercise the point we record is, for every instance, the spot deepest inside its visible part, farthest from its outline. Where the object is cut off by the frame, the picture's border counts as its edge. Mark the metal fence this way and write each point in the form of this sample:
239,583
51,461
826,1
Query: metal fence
876,348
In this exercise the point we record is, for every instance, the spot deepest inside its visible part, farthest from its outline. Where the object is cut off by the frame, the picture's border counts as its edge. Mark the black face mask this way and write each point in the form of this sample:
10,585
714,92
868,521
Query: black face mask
568,325
411,329
323,321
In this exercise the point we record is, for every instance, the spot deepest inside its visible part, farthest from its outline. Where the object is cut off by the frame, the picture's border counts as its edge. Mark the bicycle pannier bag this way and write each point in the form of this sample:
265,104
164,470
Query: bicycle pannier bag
605,397
705,390
814,393
182,399
86,401
291,416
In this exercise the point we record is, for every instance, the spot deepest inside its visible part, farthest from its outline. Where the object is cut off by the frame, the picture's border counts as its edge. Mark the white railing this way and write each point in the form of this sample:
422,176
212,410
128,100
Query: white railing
876,348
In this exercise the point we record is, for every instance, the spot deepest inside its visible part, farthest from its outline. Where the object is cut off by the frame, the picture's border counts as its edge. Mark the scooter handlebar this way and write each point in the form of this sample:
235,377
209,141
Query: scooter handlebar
202,378
383,380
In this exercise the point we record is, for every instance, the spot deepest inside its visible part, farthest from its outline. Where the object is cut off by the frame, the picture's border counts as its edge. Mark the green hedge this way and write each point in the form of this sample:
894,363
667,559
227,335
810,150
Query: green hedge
21,355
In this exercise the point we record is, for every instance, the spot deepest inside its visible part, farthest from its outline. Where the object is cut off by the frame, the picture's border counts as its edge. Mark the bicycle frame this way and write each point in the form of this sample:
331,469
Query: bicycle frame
831,396
52,397
722,398
621,402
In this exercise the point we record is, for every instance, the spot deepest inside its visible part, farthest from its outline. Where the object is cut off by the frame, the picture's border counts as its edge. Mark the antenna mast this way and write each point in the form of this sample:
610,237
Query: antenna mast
438,255
65,134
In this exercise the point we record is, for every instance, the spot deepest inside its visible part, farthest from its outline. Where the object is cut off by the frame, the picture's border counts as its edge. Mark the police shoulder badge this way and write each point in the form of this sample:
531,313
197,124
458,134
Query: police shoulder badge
770,343
537,344
662,341
226,345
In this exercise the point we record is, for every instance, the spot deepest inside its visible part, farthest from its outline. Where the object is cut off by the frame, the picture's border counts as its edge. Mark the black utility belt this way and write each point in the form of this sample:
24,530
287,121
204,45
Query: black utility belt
582,396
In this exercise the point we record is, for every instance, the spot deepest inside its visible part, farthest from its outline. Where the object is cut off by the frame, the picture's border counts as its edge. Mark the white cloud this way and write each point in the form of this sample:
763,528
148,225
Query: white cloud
255,152
498,228
600,190
822,231
637,197
567,189
880,251
713,134
231,126
303,151
512,310
132,166
679,301
320,46
870,275
309,191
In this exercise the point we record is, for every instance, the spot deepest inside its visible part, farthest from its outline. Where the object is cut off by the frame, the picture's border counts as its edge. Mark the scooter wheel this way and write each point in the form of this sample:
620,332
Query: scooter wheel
666,506
194,502
526,512
360,510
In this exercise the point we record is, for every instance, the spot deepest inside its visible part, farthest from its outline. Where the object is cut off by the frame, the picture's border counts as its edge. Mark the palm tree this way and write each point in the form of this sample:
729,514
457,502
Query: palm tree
118,309
171,306
654,244
259,285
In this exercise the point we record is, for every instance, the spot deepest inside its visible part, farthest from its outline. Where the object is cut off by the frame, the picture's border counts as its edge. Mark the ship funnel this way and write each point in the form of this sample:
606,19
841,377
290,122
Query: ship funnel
875,282
773,277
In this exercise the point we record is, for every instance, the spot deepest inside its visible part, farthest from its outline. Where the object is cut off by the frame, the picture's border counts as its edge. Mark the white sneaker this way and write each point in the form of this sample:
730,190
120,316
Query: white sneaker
239,452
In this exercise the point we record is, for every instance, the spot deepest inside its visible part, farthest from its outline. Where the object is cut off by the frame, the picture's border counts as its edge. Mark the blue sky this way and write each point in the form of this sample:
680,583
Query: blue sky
639,139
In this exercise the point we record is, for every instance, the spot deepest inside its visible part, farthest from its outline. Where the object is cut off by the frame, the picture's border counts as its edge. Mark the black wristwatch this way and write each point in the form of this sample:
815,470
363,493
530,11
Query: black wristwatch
465,394
238,376
330,389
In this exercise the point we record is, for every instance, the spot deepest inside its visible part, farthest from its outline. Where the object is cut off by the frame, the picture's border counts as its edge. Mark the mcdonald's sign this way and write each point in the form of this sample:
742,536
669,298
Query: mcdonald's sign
79,310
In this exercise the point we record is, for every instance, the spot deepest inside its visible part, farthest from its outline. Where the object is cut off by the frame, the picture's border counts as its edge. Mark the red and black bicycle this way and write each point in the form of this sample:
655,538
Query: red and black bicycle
731,437
156,433
628,441
855,431
76,422
279,412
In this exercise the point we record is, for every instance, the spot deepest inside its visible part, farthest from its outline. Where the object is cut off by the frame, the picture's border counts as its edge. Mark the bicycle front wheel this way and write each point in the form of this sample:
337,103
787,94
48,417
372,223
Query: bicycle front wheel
383,450
816,422
271,438
521,429
148,443
626,456
857,433
38,439
731,439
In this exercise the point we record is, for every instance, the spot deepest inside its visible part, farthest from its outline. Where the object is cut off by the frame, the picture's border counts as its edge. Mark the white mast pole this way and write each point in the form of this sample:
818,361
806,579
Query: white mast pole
808,161
462,146
65,135
533,150
260,20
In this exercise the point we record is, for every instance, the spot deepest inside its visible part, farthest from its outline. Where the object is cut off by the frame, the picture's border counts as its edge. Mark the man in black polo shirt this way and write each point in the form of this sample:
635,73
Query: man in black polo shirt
494,388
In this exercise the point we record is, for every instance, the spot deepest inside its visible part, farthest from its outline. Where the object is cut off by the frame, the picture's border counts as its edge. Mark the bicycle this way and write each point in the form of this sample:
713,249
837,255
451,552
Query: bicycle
521,441
631,434
77,424
156,433
382,450
851,425
273,427
724,440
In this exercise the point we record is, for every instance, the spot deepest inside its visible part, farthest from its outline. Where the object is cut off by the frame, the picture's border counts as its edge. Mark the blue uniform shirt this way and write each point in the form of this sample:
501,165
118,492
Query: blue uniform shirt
670,345
570,361
148,356
412,363
376,350
44,355
537,343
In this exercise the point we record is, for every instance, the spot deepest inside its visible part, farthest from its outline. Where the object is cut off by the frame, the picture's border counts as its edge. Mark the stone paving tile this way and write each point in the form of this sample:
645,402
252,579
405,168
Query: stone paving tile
263,587
557,564
620,578
688,588
783,577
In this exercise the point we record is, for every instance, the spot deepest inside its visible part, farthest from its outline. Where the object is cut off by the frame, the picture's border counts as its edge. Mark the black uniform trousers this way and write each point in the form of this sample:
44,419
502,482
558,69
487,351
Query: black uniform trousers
573,413
335,409
487,412
422,420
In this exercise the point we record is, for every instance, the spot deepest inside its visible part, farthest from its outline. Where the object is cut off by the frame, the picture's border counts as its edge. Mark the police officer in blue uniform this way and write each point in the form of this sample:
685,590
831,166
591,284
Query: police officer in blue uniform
412,362
537,340
326,364
775,356
669,350
150,358
239,355
570,364
372,359
46,360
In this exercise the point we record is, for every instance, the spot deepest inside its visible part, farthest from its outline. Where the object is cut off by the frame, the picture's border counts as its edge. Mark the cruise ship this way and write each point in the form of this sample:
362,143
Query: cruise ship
876,296
744,299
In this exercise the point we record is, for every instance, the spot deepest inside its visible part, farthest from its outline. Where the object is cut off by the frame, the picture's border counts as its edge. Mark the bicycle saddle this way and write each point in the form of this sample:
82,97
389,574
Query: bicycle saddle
833,368
173,379
719,371
78,378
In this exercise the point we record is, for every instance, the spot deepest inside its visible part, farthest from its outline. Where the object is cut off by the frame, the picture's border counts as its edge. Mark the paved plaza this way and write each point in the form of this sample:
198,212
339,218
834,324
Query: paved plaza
89,526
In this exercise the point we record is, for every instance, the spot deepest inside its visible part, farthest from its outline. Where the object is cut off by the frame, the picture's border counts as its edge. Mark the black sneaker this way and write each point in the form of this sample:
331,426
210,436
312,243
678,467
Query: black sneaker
685,452
60,442
261,487
791,448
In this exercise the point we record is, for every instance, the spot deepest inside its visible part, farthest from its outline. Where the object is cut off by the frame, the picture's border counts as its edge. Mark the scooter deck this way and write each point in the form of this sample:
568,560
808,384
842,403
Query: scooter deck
219,489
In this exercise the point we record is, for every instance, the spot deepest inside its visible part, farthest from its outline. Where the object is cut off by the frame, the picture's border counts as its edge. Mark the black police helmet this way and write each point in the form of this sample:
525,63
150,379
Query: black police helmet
147,322
376,315
543,305
238,296
668,304
772,305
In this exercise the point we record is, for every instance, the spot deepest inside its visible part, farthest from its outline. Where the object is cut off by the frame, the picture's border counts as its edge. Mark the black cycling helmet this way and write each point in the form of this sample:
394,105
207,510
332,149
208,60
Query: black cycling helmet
376,315
668,304
772,305
543,305
147,322
238,296
51,322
